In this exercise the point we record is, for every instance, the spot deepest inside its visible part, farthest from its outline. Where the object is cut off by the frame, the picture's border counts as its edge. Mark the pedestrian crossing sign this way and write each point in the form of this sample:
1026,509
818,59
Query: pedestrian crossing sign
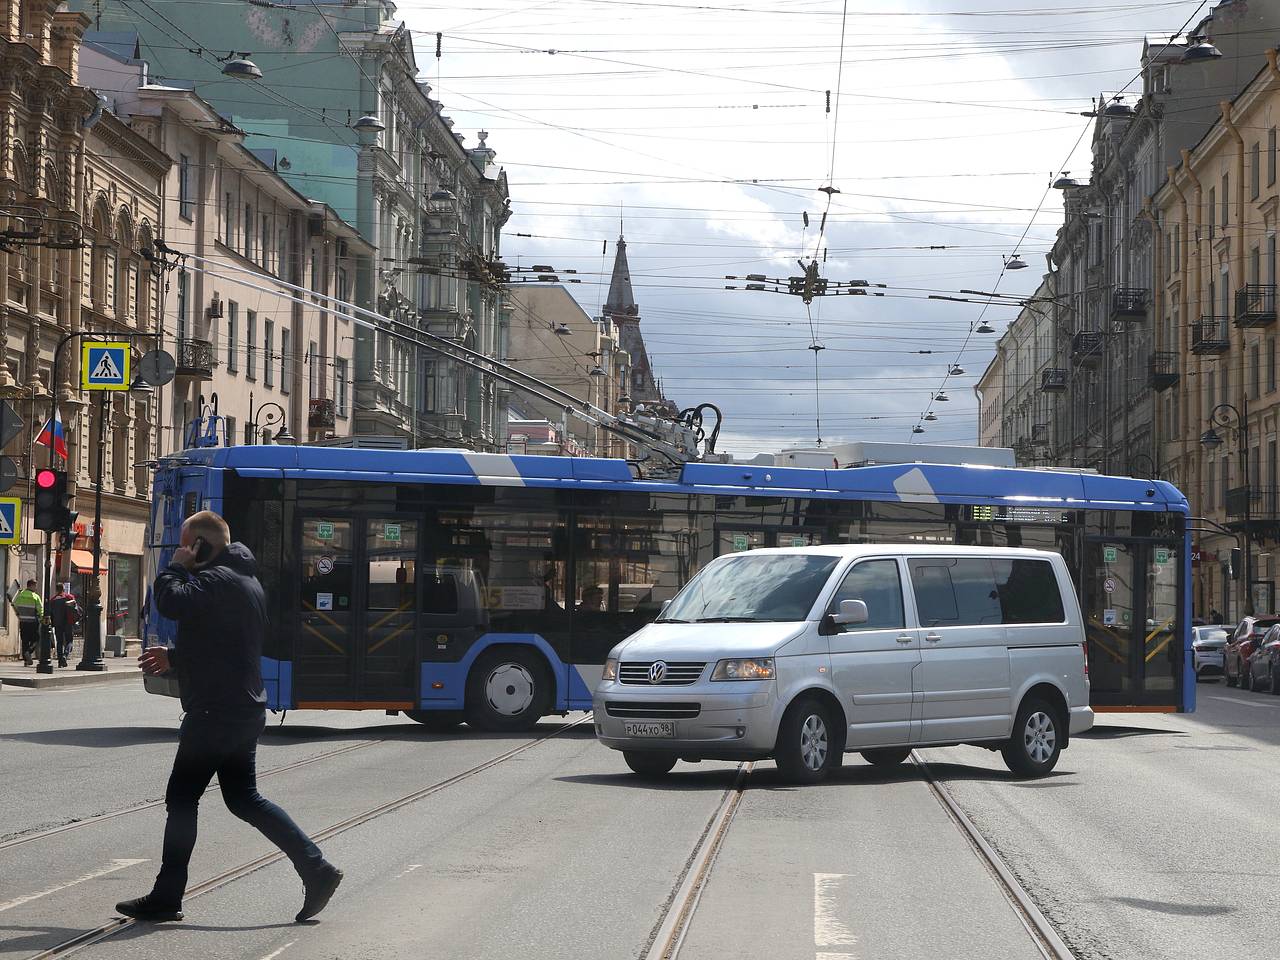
10,521
104,366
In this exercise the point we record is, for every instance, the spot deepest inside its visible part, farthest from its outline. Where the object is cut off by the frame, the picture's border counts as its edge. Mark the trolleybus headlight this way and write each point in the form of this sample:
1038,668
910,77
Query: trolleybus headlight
610,669
754,668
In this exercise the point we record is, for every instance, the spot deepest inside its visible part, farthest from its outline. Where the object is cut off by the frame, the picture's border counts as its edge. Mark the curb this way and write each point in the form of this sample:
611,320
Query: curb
46,680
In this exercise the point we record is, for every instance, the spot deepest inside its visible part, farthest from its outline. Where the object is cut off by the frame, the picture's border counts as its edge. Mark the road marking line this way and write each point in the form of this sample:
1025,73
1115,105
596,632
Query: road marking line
115,865
275,953
405,873
1247,703
828,929
834,956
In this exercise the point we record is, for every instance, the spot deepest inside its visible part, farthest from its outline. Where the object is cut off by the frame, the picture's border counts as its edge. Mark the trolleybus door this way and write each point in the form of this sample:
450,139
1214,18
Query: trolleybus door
387,654
324,662
1130,602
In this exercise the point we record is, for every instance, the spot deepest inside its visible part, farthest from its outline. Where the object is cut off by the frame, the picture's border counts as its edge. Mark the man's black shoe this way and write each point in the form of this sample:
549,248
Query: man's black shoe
62,663
148,910
319,888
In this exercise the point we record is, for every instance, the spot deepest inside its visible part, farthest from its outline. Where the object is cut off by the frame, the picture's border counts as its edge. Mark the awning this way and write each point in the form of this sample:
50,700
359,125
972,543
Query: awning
82,560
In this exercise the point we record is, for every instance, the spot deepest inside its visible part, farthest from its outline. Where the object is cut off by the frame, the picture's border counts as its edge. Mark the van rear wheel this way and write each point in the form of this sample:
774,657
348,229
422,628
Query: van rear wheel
649,764
886,756
806,750
1036,743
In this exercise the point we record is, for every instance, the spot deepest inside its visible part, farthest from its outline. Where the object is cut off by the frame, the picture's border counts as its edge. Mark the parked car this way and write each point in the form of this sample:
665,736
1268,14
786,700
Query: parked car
1262,671
1244,640
803,654
1206,649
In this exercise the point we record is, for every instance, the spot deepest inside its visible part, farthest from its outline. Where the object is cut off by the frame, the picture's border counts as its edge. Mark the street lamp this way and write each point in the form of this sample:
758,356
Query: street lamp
271,414
1228,415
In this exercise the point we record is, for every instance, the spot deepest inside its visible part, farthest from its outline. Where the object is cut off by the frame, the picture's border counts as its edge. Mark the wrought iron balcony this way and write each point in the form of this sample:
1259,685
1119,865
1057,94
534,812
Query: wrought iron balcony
1129,302
1162,370
1260,503
1256,305
1086,347
1054,380
195,359
1209,336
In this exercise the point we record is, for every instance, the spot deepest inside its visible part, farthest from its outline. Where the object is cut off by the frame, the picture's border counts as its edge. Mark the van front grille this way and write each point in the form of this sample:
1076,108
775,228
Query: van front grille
677,673
652,710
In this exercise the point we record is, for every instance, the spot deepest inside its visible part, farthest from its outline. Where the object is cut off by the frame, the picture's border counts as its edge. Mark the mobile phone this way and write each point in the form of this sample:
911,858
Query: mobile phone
203,550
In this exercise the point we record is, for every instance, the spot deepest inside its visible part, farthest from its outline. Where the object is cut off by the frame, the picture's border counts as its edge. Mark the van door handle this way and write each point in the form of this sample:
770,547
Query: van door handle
932,637
906,639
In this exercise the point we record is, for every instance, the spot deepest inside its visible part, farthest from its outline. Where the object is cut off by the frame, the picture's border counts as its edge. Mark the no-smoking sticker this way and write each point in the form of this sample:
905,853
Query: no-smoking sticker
324,565
1109,585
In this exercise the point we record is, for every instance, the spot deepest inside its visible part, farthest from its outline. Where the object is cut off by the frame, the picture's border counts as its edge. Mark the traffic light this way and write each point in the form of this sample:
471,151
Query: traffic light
51,500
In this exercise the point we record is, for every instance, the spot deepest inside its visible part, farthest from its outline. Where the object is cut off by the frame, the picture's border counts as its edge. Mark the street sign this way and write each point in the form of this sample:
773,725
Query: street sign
104,366
10,423
157,367
8,473
10,521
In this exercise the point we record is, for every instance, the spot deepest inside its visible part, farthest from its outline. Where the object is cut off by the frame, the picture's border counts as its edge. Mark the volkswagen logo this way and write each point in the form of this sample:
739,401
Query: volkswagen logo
657,670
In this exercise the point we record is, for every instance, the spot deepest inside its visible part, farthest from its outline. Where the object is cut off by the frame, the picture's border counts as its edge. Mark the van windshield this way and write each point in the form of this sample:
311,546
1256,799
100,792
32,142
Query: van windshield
753,588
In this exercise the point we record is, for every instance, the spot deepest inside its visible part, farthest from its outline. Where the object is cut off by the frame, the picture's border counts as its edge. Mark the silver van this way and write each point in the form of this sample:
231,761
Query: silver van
803,654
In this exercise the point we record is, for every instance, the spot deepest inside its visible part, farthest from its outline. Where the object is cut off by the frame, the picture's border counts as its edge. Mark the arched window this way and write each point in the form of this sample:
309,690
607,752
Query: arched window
98,257
120,286
143,282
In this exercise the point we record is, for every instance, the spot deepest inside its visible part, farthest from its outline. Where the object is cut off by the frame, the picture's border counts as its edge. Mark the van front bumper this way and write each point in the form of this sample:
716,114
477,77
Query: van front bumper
734,719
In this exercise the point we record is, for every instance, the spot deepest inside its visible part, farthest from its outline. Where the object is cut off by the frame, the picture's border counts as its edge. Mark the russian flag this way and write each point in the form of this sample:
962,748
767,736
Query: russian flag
52,435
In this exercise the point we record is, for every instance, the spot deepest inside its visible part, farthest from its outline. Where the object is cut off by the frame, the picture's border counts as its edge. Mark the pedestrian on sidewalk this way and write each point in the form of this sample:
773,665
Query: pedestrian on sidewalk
212,591
30,609
64,614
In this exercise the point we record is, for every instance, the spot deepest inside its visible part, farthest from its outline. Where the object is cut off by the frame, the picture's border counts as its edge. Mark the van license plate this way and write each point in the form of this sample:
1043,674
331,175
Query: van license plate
649,728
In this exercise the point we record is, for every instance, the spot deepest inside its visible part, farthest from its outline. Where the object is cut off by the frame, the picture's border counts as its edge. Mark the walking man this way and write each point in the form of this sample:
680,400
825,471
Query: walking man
211,590
30,608
64,614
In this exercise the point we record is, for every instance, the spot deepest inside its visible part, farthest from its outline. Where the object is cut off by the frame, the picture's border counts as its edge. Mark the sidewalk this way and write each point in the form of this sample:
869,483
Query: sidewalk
13,673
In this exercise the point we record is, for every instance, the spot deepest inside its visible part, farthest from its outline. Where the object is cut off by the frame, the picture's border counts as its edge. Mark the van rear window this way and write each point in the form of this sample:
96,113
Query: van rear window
968,591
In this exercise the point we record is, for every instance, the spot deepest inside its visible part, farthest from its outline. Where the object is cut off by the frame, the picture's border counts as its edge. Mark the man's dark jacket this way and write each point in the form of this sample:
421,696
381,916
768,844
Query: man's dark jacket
221,612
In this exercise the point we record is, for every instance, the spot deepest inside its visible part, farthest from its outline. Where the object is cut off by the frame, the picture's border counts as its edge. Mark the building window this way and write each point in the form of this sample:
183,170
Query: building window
1213,206
184,299
1211,486
1226,198
248,232
282,254
1255,377
1255,171
233,343
340,386
268,358
228,219
266,242
186,202
1210,395
1255,265
313,369
1271,157
343,291
1271,364
251,344
286,384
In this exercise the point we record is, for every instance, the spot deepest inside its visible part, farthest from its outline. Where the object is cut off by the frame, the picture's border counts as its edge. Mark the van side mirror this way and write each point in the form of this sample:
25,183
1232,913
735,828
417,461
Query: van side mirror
850,612
662,610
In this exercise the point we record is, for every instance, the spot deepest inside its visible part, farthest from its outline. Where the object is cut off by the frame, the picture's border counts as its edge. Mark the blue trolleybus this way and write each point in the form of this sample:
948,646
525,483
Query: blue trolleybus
452,585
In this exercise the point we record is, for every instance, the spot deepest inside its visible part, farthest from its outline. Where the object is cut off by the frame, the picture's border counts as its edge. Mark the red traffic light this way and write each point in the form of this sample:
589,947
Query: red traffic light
46,478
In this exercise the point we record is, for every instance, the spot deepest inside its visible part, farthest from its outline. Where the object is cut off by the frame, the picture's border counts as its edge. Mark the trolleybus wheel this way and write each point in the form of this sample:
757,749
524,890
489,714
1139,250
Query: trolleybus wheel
508,689
649,764
806,750
1036,743
886,756
440,721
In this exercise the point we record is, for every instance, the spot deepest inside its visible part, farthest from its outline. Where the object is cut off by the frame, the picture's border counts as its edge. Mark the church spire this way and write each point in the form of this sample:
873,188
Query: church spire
621,302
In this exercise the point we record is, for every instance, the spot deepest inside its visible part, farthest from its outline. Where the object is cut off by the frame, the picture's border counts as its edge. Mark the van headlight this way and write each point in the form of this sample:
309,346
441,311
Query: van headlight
610,669
755,668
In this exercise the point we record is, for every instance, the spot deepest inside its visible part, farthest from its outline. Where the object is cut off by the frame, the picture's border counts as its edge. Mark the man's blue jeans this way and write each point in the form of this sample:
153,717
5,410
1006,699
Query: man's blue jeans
226,745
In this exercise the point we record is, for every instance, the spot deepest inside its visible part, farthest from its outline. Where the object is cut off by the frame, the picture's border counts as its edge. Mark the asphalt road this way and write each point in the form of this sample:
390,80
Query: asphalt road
1153,840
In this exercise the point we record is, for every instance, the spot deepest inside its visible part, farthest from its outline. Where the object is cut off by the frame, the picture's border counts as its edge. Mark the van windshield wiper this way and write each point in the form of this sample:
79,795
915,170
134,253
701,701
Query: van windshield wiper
670,620
731,620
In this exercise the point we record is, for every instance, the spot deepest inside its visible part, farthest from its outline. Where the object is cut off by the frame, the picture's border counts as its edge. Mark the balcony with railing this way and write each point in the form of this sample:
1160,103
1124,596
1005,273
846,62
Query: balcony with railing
1086,347
1054,380
1129,303
195,359
1209,335
1162,370
1256,305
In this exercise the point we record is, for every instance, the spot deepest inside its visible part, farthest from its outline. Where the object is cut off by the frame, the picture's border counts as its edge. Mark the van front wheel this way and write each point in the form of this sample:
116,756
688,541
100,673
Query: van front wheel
806,748
648,764
1036,744
886,756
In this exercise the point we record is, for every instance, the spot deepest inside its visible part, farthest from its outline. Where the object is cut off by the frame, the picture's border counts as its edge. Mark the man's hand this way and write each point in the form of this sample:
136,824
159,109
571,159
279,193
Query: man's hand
154,661
184,557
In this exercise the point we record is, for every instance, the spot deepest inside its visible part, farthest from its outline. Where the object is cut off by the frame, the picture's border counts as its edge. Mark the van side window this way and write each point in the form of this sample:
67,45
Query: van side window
877,584
1028,591
955,592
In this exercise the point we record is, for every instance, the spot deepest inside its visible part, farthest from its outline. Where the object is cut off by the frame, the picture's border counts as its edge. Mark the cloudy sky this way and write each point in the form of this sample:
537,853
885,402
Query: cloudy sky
702,126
